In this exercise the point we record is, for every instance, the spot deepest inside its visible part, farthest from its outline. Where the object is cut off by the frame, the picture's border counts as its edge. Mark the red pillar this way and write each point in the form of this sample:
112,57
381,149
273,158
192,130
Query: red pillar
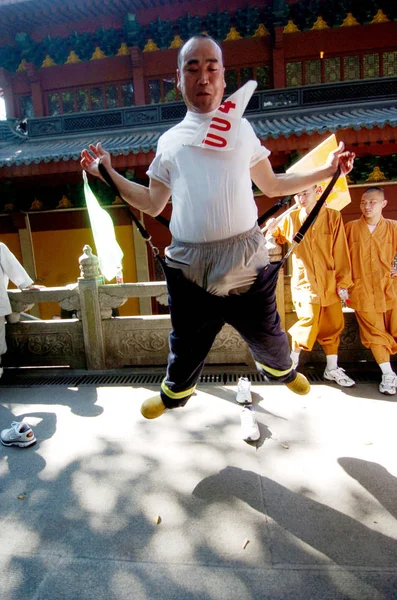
37,98
278,58
7,94
138,75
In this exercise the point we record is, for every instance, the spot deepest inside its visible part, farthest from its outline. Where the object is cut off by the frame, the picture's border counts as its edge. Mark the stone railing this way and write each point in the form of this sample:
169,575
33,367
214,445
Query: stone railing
94,339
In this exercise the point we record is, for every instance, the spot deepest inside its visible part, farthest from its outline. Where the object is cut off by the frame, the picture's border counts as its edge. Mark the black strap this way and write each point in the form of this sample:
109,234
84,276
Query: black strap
312,216
297,238
269,213
106,176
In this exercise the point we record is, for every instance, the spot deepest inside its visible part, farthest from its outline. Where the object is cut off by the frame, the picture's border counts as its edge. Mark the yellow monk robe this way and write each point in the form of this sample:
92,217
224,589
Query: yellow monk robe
374,295
320,264
372,255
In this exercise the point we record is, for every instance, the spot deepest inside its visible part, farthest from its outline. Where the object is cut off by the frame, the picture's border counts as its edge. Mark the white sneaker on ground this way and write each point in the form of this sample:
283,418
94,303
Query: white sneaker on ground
339,376
388,385
244,391
19,434
249,426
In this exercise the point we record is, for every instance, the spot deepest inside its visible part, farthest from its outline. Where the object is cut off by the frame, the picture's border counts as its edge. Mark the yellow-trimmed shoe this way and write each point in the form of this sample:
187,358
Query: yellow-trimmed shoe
299,385
153,407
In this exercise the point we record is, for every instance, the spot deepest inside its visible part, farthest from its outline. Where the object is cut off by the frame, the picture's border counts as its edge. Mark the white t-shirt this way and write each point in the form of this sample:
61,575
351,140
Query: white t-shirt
212,195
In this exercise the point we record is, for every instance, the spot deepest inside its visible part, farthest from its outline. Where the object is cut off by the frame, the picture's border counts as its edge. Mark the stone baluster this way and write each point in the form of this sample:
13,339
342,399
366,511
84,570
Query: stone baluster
90,311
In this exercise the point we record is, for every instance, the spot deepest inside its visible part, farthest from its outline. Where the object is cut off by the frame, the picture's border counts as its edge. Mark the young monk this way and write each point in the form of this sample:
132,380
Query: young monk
372,242
320,277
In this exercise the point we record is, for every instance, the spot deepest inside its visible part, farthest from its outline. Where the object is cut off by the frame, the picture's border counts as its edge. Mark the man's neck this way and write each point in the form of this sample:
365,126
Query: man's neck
372,220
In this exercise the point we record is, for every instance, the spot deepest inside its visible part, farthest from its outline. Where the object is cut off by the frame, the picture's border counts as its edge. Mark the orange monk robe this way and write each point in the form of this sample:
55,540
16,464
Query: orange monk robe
372,255
321,261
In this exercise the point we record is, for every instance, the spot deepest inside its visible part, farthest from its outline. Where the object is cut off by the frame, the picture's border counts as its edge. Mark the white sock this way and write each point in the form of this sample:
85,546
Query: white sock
332,362
295,357
386,368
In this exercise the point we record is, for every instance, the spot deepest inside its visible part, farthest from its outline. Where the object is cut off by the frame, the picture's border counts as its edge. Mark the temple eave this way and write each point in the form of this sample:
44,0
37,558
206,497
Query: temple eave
384,138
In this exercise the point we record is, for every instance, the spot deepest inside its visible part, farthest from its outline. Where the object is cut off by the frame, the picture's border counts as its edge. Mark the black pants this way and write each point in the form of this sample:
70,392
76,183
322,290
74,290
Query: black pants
197,317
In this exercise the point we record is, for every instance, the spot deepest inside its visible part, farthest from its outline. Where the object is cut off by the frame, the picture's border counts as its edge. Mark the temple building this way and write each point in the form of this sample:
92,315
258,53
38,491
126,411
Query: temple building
74,72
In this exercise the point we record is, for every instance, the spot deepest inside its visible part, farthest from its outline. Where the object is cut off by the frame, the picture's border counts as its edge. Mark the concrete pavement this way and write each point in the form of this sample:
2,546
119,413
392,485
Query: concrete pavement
110,506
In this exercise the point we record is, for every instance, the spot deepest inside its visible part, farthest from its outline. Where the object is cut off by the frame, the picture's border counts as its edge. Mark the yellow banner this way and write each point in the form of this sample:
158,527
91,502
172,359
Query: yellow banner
109,252
340,195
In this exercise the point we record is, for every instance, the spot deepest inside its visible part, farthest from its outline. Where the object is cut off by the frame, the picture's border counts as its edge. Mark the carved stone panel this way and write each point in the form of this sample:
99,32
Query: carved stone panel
229,347
136,341
37,343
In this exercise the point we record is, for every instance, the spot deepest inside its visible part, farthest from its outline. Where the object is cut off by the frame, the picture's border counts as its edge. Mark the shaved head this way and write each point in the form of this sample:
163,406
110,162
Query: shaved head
199,36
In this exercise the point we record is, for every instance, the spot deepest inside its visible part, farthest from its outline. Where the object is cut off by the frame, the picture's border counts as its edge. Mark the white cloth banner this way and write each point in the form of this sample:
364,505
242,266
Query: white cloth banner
222,132
108,251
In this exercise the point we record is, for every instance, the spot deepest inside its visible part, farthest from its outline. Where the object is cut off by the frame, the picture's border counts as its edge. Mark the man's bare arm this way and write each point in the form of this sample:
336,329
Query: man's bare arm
273,184
150,200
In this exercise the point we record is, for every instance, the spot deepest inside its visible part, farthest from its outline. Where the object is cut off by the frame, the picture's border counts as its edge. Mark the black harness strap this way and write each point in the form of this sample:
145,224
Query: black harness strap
300,234
145,234
296,240
269,213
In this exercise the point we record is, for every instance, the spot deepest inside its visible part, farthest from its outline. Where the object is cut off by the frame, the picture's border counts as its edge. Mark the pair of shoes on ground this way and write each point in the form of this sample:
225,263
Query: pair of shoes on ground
339,376
249,425
154,407
19,434
388,385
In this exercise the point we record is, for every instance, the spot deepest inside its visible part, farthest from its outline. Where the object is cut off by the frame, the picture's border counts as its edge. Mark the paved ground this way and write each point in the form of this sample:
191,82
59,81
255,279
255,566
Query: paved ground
109,506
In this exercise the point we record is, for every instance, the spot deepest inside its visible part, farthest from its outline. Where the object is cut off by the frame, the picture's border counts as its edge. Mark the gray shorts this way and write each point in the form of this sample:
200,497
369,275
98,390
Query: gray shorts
224,267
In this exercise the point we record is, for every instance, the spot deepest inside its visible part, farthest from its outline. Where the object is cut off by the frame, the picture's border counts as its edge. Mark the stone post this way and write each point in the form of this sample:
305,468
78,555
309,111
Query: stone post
142,267
90,311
